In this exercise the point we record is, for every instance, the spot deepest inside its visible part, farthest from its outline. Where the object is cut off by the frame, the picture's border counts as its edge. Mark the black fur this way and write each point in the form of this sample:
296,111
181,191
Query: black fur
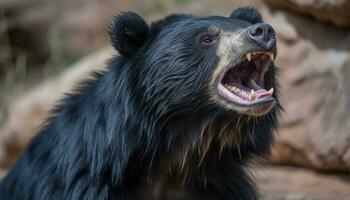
248,14
128,32
145,128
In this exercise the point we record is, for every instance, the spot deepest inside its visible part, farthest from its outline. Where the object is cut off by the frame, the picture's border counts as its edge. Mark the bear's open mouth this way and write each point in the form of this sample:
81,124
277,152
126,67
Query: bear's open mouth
243,83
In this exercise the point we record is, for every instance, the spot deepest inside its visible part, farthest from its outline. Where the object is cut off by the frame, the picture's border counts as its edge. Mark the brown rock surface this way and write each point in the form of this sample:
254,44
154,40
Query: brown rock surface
334,11
28,111
314,60
290,183
50,28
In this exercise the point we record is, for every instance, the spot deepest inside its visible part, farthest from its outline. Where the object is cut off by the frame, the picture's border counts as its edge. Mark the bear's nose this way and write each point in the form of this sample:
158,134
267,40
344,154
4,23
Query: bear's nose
262,35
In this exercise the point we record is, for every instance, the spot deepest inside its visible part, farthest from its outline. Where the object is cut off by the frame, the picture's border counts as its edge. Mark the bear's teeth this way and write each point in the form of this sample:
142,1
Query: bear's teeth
244,94
272,57
231,88
252,95
270,92
249,56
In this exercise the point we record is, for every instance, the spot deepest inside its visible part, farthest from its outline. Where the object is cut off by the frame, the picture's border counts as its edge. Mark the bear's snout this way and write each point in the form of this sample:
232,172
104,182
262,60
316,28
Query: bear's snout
262,35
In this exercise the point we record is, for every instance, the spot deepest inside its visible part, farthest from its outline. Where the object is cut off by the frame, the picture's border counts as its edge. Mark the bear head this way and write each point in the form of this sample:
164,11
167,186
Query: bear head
187,64
199,89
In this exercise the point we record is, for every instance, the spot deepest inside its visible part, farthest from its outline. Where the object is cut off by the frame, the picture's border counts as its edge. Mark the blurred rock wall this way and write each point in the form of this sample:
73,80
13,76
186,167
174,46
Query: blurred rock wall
28,111
314,60
336,12
76,26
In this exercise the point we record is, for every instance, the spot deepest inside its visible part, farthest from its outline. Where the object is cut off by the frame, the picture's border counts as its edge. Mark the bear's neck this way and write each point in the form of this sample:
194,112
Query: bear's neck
191,143
189,156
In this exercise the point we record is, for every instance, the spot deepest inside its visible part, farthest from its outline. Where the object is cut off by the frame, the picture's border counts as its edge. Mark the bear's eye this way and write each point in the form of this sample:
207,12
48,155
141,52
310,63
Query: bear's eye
207,40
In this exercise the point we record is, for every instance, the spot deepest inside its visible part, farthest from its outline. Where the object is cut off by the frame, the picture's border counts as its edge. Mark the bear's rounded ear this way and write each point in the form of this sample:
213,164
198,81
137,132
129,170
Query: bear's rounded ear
248,14
128,32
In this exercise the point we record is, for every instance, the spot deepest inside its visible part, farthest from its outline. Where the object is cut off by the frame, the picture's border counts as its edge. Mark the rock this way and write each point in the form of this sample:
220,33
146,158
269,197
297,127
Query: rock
291,183
334,11
29,110
56,30
314,61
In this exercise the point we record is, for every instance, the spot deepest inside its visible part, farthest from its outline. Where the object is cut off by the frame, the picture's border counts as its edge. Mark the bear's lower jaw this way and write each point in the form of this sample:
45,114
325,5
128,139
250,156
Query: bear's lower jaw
242,97
262,104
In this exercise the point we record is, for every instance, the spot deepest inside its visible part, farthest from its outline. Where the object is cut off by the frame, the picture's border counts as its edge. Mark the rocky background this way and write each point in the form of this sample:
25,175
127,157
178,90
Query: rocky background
48,46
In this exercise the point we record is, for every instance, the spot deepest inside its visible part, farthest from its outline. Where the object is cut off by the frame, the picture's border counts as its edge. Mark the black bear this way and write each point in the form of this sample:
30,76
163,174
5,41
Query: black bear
178,114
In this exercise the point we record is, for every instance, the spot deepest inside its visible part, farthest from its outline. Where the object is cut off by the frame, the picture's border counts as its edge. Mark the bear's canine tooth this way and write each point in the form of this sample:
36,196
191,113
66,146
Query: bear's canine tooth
270,92
252,95
272,57
249,56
